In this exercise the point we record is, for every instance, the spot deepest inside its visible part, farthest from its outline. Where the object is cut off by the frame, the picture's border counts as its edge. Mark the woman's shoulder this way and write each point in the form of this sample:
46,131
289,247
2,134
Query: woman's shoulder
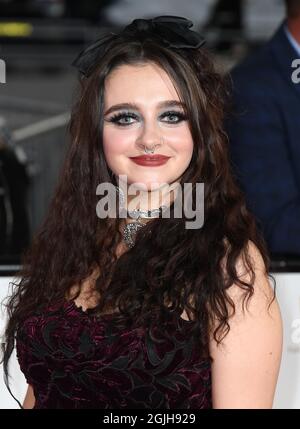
250,268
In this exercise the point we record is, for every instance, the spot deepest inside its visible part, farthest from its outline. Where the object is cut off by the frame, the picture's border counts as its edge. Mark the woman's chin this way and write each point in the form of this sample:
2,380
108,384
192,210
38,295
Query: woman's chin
146,186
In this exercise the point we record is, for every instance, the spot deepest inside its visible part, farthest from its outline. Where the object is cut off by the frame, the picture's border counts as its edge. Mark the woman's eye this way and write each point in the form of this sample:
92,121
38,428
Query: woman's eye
174,117
123,119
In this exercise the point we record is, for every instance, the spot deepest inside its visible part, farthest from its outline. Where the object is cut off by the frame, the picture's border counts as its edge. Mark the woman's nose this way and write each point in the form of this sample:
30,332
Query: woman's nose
149,139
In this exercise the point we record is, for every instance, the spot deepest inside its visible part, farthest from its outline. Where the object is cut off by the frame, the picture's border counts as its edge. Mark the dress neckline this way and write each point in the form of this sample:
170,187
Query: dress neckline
70,303
89,311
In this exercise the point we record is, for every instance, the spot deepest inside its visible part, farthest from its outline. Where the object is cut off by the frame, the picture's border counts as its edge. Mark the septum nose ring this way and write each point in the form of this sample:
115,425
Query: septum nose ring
151,150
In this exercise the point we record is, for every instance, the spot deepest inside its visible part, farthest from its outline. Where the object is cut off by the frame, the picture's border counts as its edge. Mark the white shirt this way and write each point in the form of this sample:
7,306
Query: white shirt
292,40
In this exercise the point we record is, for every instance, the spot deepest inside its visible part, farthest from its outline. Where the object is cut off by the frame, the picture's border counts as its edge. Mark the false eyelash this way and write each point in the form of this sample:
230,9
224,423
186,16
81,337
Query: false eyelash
121,115
115,118
181,116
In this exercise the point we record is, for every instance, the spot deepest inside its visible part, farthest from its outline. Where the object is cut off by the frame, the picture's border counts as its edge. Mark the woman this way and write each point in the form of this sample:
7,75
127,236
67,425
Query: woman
115,312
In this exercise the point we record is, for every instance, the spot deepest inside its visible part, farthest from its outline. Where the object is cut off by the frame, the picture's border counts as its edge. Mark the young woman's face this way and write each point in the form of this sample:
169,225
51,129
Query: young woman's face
142,109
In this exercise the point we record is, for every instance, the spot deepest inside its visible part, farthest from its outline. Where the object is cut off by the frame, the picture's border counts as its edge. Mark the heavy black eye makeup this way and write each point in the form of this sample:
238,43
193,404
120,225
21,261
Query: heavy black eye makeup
125,115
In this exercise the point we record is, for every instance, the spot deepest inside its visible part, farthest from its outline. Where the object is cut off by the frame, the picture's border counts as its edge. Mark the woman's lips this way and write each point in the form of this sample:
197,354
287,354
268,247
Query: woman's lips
150,161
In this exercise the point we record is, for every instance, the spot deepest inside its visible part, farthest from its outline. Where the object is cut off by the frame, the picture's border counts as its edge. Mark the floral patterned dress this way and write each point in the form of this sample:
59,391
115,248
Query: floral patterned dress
73,359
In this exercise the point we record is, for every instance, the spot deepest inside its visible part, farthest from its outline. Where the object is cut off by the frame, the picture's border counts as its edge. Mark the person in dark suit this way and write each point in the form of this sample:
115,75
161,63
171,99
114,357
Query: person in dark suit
14,185
264,134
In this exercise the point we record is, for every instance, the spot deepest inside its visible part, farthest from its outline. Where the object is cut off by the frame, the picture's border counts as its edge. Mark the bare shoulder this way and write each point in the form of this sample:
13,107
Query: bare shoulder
246,363
263,292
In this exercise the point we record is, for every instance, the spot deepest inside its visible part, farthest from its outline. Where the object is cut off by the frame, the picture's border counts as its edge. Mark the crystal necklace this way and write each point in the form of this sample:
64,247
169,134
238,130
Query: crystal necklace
130,230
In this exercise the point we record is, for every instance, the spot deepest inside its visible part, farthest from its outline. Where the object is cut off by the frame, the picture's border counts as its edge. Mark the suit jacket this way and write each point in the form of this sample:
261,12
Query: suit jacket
14,183
264,133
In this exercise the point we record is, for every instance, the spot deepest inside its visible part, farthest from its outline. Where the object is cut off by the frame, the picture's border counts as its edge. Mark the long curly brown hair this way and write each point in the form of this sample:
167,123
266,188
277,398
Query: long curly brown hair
169,263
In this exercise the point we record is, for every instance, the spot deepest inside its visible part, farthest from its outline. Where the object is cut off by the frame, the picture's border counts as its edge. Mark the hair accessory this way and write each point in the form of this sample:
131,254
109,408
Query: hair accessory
171,31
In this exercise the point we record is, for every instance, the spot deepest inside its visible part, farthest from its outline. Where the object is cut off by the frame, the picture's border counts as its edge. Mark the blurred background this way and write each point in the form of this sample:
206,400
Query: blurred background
38,41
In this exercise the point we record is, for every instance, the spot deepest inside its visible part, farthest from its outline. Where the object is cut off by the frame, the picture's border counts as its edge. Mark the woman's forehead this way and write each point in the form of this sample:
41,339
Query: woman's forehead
146,82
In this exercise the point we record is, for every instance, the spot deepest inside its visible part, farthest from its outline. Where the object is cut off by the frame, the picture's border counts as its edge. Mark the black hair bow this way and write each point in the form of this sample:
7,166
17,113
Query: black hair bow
171,31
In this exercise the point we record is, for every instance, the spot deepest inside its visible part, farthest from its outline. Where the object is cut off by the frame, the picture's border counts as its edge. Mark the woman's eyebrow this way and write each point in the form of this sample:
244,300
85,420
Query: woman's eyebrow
134,106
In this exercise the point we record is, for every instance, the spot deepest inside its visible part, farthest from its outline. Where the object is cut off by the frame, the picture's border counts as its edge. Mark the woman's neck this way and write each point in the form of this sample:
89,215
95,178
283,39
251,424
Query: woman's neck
151,200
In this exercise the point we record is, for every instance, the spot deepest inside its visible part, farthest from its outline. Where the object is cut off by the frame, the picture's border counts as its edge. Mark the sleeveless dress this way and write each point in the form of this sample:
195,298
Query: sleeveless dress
74,360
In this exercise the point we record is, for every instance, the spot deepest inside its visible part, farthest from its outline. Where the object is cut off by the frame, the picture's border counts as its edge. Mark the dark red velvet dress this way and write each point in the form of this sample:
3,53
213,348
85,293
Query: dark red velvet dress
74,360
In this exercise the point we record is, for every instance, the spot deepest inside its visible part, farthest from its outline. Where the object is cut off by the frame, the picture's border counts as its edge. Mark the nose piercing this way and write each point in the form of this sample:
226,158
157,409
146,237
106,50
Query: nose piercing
149,150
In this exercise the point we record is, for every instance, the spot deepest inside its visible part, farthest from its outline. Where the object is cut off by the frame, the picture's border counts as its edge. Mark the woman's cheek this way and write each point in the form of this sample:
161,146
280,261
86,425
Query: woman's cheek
115,142
182,144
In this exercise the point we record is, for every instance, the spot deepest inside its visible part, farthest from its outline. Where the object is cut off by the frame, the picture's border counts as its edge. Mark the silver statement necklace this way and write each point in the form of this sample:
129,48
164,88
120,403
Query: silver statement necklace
130,230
